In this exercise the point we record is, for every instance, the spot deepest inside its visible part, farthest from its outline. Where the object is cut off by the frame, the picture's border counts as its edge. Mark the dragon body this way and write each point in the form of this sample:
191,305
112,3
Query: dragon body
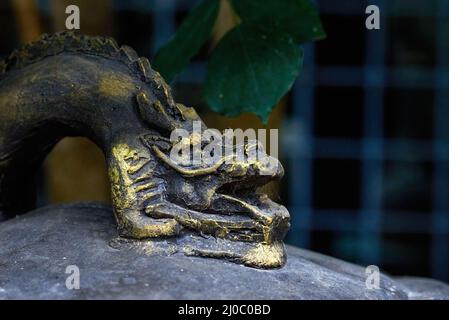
73,85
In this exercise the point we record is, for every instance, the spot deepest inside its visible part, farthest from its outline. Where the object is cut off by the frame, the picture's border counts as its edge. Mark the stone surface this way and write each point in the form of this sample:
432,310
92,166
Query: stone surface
36,249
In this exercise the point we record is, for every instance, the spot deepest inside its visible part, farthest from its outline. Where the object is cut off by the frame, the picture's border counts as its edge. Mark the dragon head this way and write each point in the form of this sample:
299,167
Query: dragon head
215,197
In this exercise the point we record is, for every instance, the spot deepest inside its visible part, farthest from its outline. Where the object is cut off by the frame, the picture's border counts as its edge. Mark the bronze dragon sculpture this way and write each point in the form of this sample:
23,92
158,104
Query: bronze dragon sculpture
67,84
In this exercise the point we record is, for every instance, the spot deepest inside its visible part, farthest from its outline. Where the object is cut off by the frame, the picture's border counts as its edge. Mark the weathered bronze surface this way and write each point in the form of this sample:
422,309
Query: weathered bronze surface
72,85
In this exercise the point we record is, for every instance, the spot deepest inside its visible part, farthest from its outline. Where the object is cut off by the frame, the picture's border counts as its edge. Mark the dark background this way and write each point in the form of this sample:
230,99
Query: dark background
364,132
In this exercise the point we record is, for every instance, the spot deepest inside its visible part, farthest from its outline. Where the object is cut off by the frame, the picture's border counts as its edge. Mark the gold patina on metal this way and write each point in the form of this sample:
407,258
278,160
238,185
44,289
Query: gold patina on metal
73,85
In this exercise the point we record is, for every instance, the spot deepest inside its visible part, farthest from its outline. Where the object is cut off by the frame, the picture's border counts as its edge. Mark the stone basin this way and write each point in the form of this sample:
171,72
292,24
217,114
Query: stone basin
37,248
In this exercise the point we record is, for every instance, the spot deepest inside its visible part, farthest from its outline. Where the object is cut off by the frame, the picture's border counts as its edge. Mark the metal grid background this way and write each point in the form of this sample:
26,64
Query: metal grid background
359,161
378,151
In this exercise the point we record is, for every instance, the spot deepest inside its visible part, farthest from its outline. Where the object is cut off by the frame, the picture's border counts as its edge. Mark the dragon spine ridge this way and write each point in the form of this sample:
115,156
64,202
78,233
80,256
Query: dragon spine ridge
68,41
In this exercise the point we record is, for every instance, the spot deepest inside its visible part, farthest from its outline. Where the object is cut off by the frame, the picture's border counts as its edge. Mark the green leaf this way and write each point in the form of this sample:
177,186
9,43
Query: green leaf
299,18
191,35
250,70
